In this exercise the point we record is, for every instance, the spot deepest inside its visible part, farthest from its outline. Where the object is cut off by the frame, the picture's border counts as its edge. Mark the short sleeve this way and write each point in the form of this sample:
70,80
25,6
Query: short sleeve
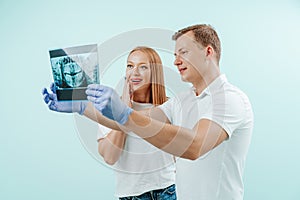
168,108
228,111
102,131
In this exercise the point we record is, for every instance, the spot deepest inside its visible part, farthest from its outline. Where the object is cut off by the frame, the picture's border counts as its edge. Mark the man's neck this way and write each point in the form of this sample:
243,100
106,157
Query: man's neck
204,81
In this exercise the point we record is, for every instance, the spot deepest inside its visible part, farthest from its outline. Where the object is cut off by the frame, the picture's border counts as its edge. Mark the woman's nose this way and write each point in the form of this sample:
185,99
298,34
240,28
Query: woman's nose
135,70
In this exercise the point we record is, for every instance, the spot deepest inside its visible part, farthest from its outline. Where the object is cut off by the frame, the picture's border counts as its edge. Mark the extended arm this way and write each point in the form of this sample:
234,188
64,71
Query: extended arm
179,141
92,113
186,143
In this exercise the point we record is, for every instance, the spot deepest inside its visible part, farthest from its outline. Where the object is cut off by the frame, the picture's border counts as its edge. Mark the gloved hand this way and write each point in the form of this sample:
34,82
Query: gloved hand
62,106
108,102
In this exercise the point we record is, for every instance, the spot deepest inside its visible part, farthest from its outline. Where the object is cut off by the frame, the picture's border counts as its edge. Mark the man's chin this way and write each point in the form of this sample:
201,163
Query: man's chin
183,79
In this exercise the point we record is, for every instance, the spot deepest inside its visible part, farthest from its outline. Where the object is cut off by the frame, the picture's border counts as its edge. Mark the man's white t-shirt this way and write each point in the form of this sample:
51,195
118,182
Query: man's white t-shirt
217,175
141,167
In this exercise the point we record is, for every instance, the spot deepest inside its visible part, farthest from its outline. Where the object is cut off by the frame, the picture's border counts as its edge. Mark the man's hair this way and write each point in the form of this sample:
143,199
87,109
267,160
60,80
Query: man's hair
157,90
205,35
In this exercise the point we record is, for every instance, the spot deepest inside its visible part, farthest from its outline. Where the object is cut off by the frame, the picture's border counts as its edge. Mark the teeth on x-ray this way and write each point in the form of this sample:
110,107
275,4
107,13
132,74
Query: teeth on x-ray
74,68
72,74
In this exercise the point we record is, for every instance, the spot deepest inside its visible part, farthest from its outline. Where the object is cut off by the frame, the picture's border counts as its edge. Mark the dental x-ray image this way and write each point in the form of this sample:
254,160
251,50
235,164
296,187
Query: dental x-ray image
73,69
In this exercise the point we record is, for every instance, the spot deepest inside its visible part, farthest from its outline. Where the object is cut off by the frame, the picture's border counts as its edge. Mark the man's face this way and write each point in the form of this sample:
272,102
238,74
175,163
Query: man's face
189,57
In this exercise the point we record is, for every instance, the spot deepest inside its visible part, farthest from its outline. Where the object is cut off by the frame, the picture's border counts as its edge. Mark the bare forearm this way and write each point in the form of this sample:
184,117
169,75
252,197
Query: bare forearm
172,139
92,113
179,141
111,147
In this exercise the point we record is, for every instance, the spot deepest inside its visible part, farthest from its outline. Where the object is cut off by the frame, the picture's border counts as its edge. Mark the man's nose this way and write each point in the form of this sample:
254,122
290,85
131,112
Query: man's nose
178,60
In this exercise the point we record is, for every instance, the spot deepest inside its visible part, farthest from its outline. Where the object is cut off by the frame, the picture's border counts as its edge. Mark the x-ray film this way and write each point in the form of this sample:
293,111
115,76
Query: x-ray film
73,69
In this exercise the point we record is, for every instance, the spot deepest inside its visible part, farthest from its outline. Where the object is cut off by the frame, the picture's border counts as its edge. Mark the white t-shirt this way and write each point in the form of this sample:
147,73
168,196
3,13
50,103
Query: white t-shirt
217,175
141,167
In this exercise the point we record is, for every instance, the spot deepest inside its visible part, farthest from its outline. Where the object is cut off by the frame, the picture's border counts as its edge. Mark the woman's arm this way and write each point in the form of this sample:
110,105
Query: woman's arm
111,146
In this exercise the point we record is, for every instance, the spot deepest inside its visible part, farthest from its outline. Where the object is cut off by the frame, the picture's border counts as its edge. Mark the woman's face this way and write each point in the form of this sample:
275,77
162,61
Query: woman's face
138,72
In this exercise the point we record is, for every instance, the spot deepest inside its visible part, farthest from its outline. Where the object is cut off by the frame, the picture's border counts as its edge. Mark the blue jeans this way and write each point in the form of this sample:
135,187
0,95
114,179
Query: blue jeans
168,193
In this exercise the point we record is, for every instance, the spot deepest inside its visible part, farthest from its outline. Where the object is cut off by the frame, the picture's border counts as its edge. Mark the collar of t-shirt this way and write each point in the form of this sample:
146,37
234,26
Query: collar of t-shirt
217,83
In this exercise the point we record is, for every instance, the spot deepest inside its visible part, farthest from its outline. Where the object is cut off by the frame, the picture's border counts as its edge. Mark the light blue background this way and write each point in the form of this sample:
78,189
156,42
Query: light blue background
41,155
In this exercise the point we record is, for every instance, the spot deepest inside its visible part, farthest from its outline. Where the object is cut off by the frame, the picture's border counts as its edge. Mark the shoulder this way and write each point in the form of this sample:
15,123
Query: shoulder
236,101
236,95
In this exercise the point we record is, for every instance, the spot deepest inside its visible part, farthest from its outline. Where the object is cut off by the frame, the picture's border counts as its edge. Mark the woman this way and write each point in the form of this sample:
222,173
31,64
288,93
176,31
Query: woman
142,170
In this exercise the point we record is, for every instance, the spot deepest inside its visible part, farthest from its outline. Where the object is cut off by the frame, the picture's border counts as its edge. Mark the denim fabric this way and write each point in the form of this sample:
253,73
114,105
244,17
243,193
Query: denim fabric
168,193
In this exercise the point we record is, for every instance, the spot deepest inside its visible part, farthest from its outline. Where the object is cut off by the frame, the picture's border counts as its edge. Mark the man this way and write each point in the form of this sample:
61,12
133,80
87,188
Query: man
209,127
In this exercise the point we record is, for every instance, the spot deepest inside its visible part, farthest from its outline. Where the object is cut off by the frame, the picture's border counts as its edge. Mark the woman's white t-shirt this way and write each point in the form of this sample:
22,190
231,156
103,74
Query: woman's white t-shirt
141,167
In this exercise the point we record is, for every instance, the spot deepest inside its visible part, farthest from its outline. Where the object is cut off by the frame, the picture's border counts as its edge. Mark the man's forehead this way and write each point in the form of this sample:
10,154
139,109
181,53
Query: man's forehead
185,41
188,36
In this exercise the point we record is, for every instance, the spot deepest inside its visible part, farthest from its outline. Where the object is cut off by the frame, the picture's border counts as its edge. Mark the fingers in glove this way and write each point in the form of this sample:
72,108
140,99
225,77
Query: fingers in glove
45,95
53,87
93,93
53,97
96,87
97,100
100,106
52,106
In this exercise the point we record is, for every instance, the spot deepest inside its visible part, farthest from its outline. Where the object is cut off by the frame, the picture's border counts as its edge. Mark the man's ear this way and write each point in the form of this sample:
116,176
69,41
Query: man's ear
209,51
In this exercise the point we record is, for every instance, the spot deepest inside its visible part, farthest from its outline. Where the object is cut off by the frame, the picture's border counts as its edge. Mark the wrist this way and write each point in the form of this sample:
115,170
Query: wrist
125,115
82,107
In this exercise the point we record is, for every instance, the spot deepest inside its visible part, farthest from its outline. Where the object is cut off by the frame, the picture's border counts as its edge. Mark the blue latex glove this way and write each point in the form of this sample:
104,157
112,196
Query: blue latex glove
62,106
108,102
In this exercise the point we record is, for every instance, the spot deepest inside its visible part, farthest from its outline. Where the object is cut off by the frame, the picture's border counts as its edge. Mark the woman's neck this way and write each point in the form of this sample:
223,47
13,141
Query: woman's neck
141,97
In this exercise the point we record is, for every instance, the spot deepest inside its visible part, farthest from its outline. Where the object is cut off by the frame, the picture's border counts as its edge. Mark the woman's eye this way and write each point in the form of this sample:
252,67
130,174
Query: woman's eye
144,67
129,66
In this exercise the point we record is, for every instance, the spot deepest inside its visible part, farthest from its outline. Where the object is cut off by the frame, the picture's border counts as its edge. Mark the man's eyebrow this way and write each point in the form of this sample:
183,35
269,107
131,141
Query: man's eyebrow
179,50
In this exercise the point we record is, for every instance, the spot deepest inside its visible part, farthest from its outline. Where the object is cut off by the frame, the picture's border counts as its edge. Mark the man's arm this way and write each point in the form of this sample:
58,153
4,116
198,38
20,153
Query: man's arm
179,141
92,113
